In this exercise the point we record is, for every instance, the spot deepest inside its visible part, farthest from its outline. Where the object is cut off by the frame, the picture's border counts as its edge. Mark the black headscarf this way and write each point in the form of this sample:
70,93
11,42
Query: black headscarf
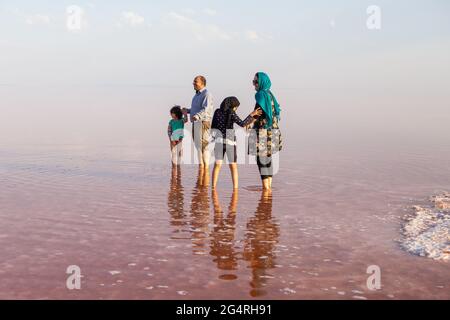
227,106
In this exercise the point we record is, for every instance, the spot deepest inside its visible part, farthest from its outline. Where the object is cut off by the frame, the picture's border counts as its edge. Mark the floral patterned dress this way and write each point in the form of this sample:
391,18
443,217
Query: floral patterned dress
265,142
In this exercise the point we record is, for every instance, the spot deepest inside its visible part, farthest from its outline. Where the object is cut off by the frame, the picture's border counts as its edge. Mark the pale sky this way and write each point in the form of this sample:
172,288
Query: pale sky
318,53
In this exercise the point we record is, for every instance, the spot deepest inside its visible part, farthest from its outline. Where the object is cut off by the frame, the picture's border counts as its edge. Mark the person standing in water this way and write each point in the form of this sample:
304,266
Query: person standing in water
265,138
175,131
201,112
225,140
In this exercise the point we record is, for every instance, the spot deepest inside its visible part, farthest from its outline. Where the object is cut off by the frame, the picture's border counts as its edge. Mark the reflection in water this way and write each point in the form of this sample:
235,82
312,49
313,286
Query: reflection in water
175,202
262,231
261,237
200,213
223,236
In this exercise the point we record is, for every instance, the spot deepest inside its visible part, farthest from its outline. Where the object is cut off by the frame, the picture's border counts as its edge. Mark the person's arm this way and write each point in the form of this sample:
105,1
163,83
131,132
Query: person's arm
207,108
250,118
242,123
255,115
257,106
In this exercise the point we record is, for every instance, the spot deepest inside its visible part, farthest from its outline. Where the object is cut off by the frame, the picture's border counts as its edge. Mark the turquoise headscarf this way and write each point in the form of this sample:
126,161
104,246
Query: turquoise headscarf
264,98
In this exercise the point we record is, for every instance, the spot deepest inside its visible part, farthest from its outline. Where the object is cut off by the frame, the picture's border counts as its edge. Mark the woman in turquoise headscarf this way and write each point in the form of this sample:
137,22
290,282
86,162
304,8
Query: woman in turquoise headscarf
265,139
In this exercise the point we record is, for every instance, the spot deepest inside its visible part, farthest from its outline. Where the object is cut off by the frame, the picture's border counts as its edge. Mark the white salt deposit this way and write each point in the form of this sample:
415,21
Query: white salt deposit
113,273
427,231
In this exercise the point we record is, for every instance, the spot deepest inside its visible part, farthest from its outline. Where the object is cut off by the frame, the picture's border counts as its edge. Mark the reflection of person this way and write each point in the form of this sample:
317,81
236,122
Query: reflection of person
261,237
175,202
225,140
201,114
222,236
199,215
265,139
176,134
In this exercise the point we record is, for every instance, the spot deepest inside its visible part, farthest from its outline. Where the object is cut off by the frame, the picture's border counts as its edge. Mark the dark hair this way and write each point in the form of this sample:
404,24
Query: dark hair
229,103
176,110
227,106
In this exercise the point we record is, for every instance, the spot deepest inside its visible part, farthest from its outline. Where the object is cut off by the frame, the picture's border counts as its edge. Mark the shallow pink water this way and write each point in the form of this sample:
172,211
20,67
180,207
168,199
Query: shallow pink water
85,178
333,212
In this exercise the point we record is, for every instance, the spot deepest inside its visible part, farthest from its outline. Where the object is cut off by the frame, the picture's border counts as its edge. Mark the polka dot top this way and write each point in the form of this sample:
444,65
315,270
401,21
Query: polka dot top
220,120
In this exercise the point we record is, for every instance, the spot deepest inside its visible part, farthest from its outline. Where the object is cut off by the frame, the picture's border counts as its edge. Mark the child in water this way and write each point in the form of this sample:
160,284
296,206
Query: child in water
176,134
224,137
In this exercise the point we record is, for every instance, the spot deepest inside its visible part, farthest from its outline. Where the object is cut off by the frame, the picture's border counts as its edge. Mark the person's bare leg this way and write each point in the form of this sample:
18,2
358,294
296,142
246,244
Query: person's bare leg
200,159
173,154
234,202
216,172
180,153
174,173
201,175
266,185
266,194
270,182
216,203
234,175
175,157
206,177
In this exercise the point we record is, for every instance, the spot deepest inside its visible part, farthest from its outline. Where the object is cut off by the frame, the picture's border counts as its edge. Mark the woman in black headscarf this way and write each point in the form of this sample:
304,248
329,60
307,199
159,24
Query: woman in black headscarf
225,140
